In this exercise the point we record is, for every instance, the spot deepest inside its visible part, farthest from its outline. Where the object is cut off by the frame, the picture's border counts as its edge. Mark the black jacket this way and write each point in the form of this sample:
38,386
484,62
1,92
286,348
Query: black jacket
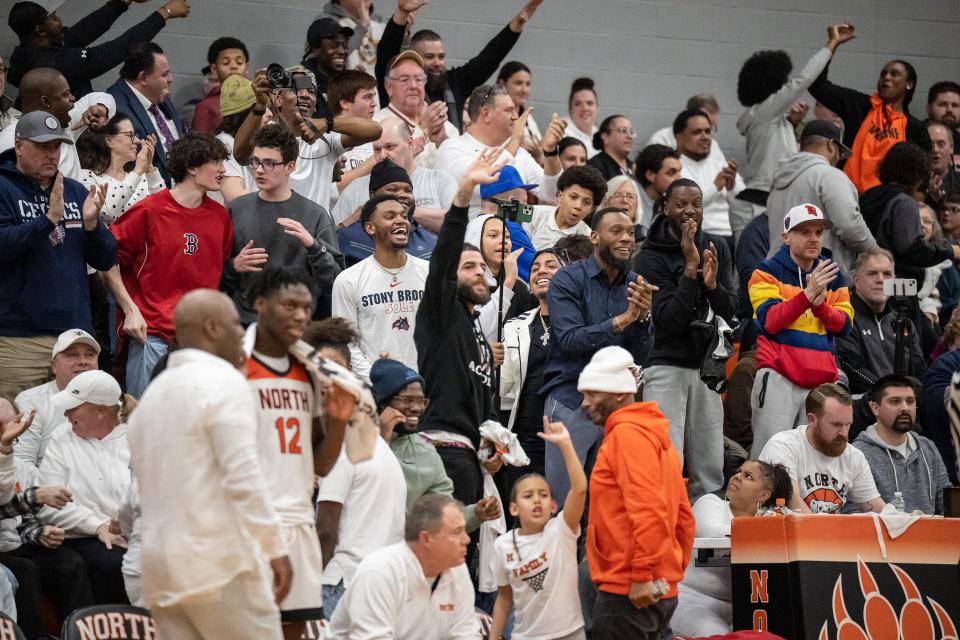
454,358
461,81
606,165
866,353
853,106
78,63
681,300
894,220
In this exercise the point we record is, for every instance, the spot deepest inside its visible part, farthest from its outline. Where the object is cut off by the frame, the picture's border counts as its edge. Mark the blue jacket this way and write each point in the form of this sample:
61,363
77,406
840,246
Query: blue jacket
933,410
129,104
43,286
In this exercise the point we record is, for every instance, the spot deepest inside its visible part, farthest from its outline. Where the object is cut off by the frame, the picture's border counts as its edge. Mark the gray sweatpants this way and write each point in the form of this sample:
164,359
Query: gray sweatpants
695,414
778,405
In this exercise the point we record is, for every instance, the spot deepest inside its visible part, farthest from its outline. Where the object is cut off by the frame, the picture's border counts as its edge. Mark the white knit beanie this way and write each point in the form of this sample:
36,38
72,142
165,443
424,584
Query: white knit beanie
611,370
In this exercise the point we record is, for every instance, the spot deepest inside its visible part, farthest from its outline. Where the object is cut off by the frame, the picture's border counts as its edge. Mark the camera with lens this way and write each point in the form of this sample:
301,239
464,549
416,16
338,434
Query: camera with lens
278,77
513,210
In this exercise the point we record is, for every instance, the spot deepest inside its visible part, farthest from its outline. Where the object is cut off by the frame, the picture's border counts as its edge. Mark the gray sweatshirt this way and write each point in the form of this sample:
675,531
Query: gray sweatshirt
807,178
921,476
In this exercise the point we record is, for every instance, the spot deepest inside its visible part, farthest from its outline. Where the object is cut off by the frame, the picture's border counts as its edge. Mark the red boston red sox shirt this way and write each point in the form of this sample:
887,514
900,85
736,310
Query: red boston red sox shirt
165,250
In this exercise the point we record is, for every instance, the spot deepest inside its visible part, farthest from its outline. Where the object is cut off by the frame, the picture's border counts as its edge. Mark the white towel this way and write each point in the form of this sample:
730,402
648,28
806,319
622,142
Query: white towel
894,522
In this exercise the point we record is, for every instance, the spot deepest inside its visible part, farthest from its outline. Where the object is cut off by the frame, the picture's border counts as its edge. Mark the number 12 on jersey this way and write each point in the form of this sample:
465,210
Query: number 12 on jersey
291,427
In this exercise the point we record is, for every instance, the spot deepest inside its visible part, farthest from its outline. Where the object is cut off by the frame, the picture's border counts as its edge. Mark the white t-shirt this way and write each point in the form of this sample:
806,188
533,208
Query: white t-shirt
431,188
374,498
541,569
456,154
233,169
285,403
544,230
391,598
383,309
313,177
353,158
713,517
825,483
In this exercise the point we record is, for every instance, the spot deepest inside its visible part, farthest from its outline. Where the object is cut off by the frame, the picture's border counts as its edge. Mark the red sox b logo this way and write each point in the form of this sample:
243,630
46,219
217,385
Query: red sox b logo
191,243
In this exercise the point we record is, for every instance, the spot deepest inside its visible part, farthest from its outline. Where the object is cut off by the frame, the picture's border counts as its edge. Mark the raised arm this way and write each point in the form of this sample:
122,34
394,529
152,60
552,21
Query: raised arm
557,433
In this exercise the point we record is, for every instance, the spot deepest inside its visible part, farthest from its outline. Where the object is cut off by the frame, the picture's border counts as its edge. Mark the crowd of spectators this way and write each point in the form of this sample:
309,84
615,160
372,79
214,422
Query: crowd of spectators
417,347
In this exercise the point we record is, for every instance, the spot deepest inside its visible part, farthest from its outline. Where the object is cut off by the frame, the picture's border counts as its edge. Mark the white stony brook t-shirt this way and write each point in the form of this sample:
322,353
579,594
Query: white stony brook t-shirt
825,483
542,571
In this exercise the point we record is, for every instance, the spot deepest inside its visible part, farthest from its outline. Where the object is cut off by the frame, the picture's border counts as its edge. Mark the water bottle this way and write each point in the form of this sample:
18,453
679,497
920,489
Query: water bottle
898,502
660,588
781,508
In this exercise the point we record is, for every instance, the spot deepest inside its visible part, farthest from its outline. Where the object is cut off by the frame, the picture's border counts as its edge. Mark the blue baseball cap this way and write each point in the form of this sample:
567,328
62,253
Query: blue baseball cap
509,179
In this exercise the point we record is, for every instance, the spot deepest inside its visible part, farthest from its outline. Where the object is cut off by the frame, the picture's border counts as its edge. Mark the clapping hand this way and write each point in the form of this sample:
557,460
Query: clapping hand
144,161
92,205
816,289
14,429
710,267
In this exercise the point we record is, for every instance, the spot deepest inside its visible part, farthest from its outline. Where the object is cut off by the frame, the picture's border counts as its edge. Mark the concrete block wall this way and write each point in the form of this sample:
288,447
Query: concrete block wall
647,56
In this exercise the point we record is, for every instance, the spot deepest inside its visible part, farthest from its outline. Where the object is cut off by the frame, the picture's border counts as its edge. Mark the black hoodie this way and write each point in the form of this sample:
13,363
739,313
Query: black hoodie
453,355
894,220
681,300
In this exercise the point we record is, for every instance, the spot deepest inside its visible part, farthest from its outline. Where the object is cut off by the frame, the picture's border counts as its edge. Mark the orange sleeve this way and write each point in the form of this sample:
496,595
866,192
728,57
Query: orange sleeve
638,471
686,528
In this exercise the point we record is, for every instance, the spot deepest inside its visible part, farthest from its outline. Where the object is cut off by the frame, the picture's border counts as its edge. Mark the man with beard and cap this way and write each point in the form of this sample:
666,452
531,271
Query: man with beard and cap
801,305
694,272
901,459
387,179
454,357
45,42
639,511
449,86
398,390
826,473
594,303
381,293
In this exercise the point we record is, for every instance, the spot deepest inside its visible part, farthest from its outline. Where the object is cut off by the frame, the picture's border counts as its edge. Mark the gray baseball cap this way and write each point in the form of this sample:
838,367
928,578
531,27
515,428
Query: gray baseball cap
40,126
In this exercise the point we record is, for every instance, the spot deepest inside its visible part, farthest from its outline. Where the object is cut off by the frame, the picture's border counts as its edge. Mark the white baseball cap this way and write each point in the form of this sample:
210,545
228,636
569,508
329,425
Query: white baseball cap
71,337
804,213
95,387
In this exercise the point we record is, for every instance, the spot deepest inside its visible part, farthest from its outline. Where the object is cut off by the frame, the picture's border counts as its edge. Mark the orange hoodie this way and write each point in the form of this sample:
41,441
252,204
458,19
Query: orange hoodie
640,525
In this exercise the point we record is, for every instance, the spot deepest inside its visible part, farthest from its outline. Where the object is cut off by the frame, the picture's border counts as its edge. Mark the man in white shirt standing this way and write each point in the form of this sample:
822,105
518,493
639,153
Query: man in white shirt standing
143,93
74,352
492,117
206,514
827,474
418,588
718,179
381,293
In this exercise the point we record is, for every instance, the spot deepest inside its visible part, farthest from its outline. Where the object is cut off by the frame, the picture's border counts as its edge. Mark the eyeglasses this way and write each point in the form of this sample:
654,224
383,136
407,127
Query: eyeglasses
268,165
421,79
624,131
130,134
951,209
412,401
624,196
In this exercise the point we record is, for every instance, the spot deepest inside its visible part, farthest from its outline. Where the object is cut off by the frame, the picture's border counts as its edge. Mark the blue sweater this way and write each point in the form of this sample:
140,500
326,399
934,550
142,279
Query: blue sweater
43,268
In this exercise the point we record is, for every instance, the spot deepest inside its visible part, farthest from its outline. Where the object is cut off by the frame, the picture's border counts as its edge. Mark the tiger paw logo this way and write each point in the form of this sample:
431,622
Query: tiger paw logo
880,619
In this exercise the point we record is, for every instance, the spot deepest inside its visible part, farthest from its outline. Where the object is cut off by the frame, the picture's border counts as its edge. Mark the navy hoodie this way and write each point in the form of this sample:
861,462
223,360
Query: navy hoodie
43,284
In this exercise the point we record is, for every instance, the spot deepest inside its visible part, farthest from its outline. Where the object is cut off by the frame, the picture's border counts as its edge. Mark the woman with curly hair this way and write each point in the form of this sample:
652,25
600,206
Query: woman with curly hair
703,604
872,124
768,92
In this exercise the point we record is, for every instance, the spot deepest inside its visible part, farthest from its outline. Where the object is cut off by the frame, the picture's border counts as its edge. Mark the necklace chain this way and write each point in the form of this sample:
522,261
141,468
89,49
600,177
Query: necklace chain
395,273
545,338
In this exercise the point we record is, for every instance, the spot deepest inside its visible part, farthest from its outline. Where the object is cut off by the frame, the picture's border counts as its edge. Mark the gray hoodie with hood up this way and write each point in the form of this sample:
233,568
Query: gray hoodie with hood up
921,476
807,178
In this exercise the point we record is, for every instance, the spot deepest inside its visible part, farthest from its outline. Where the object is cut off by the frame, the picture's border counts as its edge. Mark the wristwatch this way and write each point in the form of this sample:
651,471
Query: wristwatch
552,154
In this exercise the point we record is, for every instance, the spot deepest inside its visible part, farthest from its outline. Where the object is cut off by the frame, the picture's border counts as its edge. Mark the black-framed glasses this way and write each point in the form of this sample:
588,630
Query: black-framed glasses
268,165
130,134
